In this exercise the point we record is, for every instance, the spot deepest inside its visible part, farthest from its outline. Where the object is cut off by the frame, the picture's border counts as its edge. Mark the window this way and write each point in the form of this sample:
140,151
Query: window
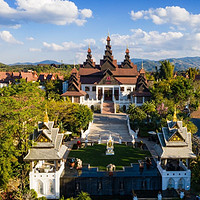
51,187
87,88
139,99
122,89
94,88
40,187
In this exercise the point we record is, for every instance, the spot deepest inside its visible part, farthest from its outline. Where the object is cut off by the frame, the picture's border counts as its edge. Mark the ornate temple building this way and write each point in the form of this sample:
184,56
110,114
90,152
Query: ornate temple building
175,151
46,160
108,83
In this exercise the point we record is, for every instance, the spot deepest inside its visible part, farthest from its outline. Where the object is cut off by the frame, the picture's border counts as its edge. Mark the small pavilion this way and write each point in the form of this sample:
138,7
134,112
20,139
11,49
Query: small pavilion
175,152
46,160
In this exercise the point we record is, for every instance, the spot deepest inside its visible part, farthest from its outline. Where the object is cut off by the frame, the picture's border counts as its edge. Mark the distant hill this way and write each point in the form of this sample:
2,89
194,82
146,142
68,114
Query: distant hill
48,62
149,65
180,63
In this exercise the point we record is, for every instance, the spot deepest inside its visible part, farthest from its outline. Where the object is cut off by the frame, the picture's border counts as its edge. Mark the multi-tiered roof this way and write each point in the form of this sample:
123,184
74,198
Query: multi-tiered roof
175,141
48,142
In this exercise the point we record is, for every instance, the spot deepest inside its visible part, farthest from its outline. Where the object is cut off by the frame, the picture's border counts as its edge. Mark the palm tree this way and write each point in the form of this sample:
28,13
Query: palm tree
83,196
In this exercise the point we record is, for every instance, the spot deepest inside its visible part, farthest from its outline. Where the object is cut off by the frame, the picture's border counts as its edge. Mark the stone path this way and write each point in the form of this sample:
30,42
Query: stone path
106,124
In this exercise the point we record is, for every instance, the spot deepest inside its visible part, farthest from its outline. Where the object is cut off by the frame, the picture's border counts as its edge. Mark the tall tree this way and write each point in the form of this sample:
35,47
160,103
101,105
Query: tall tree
166,70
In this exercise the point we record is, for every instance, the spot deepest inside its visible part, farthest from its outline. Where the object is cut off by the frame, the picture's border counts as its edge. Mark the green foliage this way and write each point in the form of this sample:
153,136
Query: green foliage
83,196
53,89
195,168
178,91
136,113
42,198
74,117
191,127
192,72
166,70
21,105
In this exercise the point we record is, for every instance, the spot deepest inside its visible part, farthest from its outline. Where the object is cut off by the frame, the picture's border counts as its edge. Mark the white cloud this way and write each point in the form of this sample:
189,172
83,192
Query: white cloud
59,12
170,14
30,38
34,50
155,45
8,37
67,46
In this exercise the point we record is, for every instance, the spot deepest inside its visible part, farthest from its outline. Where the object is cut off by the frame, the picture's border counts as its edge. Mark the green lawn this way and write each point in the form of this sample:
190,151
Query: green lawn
96,155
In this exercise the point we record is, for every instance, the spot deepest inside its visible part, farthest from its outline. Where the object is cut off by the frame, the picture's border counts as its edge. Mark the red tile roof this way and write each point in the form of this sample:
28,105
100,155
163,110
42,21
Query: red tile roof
74,93
127,80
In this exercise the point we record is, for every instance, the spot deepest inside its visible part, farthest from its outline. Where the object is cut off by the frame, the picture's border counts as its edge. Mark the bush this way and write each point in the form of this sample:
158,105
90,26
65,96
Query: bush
97,108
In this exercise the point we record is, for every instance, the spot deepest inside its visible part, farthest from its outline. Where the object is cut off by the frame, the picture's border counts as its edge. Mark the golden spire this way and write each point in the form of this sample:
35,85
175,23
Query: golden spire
46,118
175,117
142,64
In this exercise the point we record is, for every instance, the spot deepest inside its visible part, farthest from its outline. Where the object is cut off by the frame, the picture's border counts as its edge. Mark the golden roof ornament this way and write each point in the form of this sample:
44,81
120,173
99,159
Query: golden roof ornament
175,117
46,118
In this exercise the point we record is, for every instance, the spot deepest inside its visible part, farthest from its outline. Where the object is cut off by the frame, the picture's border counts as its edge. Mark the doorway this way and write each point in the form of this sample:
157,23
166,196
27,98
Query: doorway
108,93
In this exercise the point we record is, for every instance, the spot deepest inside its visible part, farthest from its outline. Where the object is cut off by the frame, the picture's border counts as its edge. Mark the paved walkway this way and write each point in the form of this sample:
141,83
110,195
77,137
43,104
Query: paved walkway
106,124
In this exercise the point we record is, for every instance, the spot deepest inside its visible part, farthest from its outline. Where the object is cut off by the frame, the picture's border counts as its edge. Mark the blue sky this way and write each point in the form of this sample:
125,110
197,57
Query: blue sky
35,30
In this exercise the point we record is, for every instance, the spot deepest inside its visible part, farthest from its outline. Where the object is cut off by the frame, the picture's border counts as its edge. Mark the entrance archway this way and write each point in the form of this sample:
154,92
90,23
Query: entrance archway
108,93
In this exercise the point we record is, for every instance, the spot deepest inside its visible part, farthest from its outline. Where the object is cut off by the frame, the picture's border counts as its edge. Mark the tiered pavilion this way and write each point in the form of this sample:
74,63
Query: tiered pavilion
46,158
108,83
175,152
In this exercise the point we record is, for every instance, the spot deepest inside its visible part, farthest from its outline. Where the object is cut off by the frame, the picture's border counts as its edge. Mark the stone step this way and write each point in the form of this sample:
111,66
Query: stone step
104,125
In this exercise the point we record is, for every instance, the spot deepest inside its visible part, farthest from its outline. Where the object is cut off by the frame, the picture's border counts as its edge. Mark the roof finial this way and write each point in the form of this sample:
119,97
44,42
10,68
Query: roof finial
74,63
46,118
175,117
142,64
108,32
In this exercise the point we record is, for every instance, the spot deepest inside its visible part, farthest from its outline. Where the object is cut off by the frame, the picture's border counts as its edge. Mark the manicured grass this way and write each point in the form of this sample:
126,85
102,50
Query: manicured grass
96,155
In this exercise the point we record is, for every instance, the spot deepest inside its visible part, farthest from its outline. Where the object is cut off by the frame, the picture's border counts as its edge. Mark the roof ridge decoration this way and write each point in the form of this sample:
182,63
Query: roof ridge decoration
174,116
46,118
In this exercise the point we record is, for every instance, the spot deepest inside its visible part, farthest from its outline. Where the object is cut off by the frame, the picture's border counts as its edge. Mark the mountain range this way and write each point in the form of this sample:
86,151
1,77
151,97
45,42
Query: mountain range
179,63
149,65
47,62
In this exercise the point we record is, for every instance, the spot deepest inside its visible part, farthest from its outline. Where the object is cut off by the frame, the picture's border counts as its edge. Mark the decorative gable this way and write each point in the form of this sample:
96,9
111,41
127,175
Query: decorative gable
108,79
176,137
42,138
73,87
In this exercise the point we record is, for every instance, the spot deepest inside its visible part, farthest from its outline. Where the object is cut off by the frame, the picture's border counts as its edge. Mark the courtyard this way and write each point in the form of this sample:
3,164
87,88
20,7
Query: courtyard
96,155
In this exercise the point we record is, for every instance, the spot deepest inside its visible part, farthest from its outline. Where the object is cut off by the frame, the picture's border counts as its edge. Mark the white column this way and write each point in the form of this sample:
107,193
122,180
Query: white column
97,92
135,100
113,93
143,99
72,99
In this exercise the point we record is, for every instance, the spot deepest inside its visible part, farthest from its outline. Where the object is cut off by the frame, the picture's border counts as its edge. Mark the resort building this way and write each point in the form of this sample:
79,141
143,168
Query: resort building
46,159
175,151
107,84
